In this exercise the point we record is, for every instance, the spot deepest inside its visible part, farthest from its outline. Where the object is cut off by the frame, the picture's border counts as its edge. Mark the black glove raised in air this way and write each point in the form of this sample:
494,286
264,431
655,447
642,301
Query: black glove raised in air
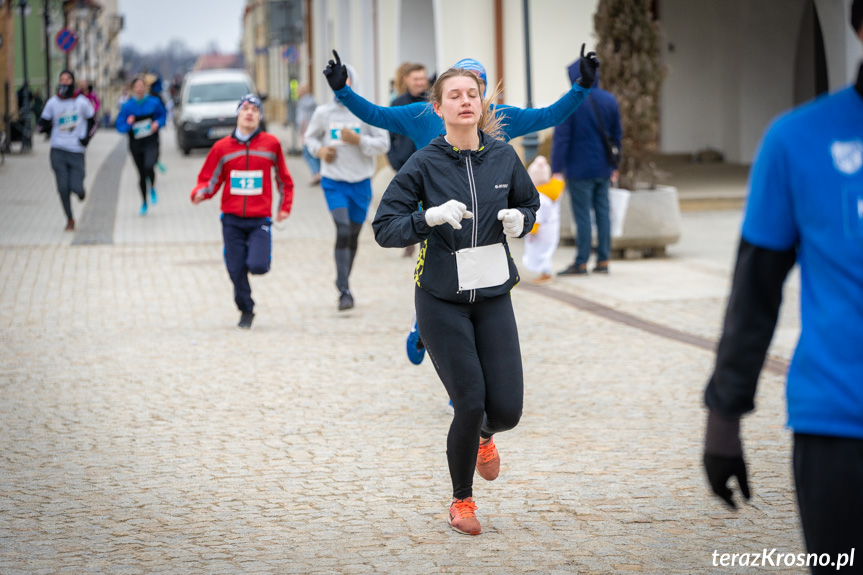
723,457
336,73
587,67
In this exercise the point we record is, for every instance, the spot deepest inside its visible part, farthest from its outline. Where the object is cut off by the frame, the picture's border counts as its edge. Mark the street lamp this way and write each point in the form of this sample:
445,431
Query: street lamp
46,25
24,112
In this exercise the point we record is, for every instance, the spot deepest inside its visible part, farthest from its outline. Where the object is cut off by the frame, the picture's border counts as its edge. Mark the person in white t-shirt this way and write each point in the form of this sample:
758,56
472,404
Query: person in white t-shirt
68,119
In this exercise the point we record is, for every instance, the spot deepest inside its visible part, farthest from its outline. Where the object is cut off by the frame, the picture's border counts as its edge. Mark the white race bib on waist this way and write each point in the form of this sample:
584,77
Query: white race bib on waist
482,267
247,182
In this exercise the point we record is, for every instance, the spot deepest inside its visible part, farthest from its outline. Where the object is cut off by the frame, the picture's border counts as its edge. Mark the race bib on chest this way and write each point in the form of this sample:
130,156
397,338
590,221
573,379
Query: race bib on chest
142,128
67,122
336,131
247,182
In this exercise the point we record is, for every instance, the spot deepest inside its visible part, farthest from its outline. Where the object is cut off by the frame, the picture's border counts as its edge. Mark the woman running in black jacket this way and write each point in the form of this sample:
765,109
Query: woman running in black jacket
475,192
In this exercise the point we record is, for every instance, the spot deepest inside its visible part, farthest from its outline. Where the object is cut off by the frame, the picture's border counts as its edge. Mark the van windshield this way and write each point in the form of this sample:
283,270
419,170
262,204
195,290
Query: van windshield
221,92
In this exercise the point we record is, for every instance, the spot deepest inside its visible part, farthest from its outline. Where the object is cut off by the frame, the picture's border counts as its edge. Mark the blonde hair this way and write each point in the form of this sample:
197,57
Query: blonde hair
489,121
399,78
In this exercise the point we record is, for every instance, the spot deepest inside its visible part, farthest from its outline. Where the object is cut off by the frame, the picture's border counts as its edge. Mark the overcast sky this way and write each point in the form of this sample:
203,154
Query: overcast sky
150,24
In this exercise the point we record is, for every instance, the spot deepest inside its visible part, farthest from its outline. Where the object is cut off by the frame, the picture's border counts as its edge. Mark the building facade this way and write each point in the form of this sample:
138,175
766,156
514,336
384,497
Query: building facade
724,82
94,57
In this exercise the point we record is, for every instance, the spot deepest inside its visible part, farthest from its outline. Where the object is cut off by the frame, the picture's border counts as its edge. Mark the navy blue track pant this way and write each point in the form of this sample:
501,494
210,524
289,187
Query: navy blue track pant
248,250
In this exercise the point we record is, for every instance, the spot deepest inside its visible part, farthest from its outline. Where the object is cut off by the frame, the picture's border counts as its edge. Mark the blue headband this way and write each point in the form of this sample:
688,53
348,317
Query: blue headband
249,99
473,66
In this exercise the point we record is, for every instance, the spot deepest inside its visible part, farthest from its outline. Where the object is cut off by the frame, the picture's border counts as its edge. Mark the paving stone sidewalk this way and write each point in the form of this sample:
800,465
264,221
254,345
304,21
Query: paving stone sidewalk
141,432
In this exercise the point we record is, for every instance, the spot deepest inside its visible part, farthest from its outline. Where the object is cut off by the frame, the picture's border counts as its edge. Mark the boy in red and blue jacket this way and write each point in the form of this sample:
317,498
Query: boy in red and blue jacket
243,162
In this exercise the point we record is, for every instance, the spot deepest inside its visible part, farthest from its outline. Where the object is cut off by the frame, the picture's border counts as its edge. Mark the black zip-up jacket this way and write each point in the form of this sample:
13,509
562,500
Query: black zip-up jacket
486,180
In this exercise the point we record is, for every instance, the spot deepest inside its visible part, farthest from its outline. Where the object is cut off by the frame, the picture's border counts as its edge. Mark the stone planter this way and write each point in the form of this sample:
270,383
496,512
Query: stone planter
642,223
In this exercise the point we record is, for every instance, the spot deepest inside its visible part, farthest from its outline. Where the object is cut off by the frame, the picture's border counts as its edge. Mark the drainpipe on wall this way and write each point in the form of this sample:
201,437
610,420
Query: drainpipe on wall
530,141
46,22
309,44
498,45
377,67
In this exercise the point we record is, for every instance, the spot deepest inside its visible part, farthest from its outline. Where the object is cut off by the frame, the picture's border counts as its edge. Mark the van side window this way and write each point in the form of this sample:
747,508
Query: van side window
221,92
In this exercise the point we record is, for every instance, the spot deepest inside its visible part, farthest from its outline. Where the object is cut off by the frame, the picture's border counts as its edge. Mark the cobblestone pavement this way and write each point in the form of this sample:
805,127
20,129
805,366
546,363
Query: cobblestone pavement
141,432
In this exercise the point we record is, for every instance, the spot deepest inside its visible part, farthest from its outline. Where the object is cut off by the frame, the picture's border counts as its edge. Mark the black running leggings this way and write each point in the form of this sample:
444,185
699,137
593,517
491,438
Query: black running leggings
828,474
145,155
474,348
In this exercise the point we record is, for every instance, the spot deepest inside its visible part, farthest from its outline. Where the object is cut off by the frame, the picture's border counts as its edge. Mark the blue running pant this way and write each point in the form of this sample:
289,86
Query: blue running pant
248,250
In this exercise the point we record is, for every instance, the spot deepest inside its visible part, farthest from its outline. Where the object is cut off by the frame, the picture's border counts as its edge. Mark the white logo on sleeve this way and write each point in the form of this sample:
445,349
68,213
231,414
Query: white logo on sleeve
847,156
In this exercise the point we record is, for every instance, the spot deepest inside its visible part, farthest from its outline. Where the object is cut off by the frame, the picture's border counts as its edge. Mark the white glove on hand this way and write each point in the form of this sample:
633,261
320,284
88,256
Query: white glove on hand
450,213
513,222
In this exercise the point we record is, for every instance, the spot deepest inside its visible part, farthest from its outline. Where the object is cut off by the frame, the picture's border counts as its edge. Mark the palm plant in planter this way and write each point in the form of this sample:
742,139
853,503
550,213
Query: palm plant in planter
627,46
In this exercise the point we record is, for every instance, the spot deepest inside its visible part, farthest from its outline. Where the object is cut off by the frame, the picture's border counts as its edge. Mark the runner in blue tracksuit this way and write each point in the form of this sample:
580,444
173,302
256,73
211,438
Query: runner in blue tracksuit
419,122
142,116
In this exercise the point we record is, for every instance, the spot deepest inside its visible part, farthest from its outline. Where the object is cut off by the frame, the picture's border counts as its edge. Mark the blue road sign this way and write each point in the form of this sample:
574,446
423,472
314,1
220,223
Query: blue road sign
66,39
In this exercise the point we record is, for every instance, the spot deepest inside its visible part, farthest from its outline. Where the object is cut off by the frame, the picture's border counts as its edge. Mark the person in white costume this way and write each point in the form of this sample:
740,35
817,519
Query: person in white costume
542,241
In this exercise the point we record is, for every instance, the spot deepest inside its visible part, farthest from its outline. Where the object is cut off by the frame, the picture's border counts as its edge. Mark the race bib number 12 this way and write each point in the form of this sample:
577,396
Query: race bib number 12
247,182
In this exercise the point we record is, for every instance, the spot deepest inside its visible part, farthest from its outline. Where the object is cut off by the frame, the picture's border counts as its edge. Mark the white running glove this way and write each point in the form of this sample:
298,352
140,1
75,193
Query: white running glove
450,213
513,222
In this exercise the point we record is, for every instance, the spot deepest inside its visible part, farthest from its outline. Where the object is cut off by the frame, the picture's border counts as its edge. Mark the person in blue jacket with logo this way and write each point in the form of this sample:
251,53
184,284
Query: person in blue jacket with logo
419,122
142,116
805,205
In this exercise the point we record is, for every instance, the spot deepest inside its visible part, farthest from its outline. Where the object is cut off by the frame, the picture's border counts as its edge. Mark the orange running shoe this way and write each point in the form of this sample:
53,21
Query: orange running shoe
488,460
462,516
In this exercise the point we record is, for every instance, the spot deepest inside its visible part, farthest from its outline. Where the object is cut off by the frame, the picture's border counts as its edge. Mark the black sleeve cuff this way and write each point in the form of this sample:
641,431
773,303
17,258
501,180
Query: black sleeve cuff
722,437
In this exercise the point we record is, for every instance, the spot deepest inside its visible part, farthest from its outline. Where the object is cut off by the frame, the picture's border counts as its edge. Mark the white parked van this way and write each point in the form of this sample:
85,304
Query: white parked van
207,109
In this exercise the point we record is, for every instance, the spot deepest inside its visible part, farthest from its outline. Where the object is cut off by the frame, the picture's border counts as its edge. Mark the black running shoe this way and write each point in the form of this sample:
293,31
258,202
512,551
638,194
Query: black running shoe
601,267
246,320
574,270
346,300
